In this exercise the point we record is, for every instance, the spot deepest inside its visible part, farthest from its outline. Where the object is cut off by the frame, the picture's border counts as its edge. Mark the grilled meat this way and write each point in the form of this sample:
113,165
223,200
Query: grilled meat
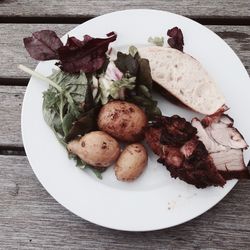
186,158
225,145
204,153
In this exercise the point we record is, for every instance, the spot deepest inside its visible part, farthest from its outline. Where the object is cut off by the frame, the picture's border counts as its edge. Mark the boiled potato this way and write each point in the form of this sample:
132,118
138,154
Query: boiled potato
122,120
131,162
96,148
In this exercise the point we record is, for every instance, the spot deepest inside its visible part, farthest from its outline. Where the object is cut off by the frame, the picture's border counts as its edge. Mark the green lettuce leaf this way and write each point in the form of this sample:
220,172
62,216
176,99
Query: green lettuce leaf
157,40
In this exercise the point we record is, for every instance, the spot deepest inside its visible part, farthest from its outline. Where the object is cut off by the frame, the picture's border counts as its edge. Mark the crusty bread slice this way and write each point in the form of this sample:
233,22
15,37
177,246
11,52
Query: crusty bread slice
184,77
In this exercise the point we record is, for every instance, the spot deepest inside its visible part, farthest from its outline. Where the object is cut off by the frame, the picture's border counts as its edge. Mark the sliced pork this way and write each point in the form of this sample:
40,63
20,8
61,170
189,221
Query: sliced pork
225,145
204,135
230,164
227,135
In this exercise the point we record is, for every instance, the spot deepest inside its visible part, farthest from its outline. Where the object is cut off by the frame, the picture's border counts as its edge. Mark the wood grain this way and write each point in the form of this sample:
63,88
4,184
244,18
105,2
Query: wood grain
83,8
13,53
11,98
12,48
32,219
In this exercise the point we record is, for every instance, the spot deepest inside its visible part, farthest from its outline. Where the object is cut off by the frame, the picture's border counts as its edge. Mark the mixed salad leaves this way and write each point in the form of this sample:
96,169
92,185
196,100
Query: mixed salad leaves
175,40
89,77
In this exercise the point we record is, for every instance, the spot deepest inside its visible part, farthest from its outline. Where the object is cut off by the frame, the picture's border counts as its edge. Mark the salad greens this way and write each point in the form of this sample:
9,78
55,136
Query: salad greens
73,100
115,89
175,40
87,55
127,63
89,77
65,107
112,83
157,40
65,103
132,65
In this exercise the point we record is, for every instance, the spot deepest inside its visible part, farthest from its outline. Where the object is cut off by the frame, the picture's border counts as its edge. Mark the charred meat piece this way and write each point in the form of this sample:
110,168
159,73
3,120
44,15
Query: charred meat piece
176,130
199,166
153,135
204,153
174,140
225,145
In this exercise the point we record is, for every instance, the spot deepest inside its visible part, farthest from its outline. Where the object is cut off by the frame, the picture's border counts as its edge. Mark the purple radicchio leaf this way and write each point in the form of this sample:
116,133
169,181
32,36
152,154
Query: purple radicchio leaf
87,55
74,43
176,40
43,45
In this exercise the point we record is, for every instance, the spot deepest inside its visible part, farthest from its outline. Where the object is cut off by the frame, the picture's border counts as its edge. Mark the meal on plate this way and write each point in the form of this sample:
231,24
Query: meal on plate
99,105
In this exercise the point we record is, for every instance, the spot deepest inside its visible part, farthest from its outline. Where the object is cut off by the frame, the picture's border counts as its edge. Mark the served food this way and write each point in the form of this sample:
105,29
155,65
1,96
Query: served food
131,162
100,97
123,120
224,144
96,148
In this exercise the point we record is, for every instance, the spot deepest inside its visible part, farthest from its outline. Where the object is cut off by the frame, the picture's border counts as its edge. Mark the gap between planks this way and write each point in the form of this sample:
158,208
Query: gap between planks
242,21
10,150
14,81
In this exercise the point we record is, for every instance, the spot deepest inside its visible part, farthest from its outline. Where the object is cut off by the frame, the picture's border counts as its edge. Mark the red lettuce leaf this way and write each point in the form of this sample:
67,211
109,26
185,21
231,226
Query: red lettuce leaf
87,55
176,40
43,45
74,43
75,56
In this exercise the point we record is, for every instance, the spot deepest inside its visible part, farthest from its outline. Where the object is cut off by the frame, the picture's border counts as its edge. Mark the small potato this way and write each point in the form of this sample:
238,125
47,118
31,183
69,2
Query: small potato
131,162
122,120
96,148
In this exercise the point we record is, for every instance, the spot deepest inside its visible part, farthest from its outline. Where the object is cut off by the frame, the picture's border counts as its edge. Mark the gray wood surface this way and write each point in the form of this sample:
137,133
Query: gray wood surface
31,219
89,8
13,53
12,49
11,98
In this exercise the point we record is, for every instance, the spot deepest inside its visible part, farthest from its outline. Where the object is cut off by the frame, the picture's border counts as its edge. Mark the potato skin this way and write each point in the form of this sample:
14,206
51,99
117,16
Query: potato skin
122,120
131,162
96,148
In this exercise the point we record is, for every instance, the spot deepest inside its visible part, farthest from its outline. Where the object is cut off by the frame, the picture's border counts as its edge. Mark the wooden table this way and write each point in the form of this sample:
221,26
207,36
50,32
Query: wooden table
29,217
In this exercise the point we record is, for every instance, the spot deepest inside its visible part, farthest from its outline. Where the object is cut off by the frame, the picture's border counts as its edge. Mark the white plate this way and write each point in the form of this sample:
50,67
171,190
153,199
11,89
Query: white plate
155,200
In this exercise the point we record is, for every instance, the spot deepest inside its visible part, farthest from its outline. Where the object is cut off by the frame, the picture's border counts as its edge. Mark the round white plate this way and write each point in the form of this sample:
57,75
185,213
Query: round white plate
155,200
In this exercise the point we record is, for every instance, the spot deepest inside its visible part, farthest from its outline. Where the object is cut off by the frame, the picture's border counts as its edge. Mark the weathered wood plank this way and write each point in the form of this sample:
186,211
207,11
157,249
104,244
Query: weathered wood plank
32,219
13,53
12,48
79,8
11,98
